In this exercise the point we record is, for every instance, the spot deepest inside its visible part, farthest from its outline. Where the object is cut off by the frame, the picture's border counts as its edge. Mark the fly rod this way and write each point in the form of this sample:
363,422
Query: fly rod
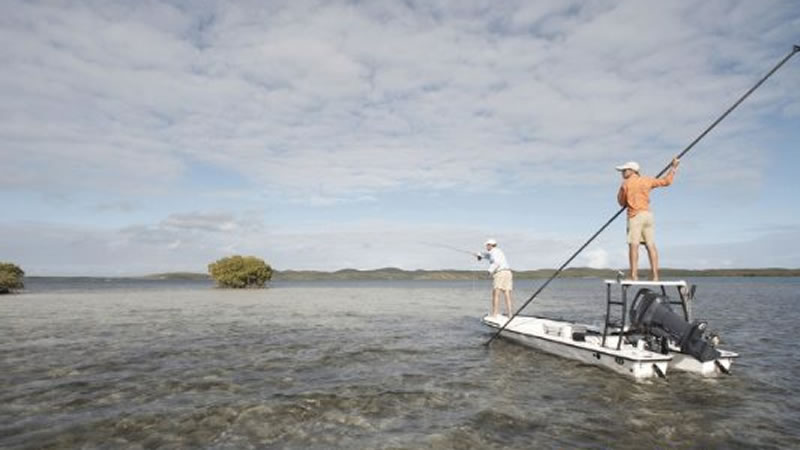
449,247
795,49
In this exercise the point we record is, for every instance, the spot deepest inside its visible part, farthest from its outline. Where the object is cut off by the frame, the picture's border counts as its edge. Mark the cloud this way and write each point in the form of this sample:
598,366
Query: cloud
200,222
596,258
188,242
301,103
174,119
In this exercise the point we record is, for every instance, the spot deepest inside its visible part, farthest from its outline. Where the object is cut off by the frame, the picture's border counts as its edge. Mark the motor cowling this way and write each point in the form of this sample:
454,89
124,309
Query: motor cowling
651,314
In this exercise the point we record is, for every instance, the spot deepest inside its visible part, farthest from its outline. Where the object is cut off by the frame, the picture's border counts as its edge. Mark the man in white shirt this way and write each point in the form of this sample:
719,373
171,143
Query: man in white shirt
502,280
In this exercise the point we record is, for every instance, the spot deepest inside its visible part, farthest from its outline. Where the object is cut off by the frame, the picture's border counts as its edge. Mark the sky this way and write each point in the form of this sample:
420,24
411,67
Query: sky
153,136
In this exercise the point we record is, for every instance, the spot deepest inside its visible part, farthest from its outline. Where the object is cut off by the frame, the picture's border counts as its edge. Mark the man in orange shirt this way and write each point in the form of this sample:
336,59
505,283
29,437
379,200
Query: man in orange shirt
634,194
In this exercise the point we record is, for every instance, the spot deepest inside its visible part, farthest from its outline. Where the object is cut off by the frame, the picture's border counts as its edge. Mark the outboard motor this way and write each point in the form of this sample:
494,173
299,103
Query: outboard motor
651,314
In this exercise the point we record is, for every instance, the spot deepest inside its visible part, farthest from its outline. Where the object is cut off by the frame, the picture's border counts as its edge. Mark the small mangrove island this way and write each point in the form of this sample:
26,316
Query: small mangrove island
240,272
11,278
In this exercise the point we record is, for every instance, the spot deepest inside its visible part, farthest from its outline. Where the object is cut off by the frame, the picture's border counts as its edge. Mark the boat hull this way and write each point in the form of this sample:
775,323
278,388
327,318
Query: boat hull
718,367
556,337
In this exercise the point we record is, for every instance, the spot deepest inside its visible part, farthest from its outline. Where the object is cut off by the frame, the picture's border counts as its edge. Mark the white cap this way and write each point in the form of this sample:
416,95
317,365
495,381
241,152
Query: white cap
633,165
490,242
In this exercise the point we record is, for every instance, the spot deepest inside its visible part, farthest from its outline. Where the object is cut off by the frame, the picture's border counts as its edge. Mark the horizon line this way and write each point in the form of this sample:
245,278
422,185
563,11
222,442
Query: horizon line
350,269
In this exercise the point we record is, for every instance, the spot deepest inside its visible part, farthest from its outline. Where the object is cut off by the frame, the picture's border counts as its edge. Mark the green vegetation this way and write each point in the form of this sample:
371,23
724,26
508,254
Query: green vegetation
240,272
11,278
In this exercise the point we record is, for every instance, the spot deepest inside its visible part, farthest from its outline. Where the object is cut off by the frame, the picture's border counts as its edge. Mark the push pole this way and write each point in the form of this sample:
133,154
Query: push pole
795,49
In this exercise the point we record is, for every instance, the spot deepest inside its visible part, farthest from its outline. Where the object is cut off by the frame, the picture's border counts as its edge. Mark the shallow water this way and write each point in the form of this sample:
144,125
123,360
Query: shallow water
131,364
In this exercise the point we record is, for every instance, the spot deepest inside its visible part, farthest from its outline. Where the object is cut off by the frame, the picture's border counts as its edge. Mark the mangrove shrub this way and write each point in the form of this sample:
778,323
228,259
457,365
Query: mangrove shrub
11,277
240,272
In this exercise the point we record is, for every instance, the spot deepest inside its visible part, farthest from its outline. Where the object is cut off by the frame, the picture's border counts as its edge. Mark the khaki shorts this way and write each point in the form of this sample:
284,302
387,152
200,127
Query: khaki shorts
641,228
503,280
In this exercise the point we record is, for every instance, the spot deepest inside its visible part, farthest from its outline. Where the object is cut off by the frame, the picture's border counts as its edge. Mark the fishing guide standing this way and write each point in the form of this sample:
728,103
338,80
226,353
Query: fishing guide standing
502,279
634,194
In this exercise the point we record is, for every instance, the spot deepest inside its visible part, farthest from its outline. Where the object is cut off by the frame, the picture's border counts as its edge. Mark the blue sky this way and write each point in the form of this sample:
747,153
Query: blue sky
139,137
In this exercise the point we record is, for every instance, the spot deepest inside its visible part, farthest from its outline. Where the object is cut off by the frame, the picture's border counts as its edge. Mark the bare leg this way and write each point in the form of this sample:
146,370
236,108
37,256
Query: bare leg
633,258
508,302
495,302
652,253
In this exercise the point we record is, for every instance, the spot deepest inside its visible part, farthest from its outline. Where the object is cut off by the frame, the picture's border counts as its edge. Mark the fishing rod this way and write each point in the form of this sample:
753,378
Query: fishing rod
455,249
795,49
449,247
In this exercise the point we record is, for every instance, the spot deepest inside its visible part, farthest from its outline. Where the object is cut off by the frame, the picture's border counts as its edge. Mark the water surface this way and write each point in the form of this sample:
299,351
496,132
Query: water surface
148,364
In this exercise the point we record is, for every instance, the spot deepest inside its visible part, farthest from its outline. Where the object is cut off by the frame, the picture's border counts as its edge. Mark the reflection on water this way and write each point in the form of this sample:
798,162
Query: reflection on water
370,365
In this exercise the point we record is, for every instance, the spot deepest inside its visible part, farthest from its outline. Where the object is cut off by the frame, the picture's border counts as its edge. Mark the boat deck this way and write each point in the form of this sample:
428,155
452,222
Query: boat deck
562,333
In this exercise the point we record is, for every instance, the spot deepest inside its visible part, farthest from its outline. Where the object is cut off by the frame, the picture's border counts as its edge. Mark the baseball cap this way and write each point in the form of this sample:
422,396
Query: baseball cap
633,165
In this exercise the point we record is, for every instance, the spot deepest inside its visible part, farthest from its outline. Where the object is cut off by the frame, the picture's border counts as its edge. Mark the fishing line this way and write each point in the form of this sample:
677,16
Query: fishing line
473,273
795,49
473,276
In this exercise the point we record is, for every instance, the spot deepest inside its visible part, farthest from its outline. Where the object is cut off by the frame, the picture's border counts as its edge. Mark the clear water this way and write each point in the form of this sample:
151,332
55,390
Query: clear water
154,364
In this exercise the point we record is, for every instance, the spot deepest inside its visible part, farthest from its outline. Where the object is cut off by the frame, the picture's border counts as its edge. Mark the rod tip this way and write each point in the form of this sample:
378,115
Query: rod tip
797,48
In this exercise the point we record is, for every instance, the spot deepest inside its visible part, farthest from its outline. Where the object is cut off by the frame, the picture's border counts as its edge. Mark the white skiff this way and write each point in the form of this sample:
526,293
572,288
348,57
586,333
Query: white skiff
643,341
580,343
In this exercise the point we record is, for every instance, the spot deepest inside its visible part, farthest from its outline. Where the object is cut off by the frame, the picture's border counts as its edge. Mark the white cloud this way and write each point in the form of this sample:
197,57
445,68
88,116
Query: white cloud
149,248
367,99
200,222
596,258
335,105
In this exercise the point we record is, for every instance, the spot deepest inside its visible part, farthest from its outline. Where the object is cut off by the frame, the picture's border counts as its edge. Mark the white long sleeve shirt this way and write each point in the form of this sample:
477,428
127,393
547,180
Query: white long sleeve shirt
497,260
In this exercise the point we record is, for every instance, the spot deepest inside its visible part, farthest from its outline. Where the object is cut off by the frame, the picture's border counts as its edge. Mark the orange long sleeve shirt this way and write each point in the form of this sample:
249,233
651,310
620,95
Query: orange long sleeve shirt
635,191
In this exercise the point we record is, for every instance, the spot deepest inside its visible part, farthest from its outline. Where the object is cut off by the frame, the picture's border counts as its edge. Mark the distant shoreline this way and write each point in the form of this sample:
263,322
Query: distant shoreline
390,274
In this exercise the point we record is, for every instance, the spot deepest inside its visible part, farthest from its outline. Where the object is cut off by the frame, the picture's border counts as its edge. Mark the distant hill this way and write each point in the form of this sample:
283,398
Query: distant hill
392,273
389,273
